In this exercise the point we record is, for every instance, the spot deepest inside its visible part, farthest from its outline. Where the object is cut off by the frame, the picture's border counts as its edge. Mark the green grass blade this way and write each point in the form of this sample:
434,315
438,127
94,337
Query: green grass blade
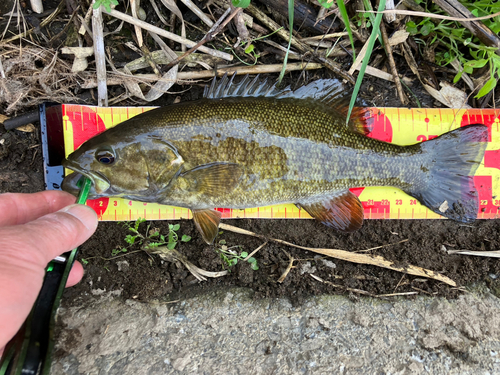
371,43
345,17
290,22
368,6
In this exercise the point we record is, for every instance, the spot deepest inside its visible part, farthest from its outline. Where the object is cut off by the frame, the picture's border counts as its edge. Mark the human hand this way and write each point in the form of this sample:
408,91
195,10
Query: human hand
34,229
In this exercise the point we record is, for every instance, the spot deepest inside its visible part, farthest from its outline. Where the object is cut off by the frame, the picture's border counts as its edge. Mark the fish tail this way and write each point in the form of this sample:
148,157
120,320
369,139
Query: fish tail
448,186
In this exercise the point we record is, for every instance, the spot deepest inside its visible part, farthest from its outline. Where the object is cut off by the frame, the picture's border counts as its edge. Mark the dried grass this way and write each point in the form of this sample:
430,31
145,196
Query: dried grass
34,75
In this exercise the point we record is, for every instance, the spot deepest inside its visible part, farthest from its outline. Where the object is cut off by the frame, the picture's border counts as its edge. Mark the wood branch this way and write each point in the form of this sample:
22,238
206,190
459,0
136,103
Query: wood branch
374,260
302,47
402,97
216,28
204,74
100,58
166,34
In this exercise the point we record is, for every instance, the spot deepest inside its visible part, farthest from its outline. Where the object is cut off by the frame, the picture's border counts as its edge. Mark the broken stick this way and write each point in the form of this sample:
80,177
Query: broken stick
374,260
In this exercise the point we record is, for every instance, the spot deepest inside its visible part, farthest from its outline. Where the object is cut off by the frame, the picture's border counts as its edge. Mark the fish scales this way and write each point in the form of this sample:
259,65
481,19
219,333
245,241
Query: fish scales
251,145
291,149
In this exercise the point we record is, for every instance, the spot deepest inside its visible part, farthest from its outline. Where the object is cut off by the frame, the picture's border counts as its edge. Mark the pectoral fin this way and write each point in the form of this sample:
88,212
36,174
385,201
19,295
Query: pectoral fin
207,222
343,211
214,179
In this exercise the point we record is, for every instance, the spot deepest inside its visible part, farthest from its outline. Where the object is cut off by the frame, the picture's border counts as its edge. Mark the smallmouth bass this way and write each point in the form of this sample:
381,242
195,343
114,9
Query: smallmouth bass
251,144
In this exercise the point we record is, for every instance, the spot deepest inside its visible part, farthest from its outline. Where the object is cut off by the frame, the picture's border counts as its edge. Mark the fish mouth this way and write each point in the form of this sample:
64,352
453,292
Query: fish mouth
100,184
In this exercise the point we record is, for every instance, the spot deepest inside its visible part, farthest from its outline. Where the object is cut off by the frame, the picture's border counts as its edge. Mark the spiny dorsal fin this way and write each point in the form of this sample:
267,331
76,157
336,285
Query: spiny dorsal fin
327,91
226,88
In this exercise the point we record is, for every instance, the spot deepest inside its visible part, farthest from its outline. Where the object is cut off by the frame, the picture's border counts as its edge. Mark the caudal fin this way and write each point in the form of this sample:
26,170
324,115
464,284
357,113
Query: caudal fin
449,186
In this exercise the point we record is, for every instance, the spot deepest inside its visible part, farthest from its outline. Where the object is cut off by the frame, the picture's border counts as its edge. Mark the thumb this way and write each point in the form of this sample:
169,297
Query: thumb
52,234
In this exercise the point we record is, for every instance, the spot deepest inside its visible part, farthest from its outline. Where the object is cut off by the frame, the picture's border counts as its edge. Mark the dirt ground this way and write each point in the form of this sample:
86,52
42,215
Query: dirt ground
145,277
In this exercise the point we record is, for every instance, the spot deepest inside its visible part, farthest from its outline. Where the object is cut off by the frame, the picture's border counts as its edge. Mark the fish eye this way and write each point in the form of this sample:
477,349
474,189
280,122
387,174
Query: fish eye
105,156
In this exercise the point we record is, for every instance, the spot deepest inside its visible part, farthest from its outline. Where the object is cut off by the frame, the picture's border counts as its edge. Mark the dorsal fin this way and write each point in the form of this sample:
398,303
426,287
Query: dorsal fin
326,91
226,88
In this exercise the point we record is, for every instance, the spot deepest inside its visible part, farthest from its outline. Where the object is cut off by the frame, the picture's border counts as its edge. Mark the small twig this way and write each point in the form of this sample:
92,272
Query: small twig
379,247
198,12
2,72
134,5
302,47
166,34
431,15
85,21
374,260
257,69
399,88
239,21
44,23
158,13
216,28
100,58
255,251
288,268
396,294
490,254
364,292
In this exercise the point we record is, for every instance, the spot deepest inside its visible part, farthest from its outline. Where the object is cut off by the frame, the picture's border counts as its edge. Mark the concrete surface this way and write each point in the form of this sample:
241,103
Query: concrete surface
226,332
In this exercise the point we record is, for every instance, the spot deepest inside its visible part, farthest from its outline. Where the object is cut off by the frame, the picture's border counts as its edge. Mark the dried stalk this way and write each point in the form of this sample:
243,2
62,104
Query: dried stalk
44,23
100,58
431,15
490,254
174,256
216,28
374,260
302,47
198,12
183,76
166,34
402,97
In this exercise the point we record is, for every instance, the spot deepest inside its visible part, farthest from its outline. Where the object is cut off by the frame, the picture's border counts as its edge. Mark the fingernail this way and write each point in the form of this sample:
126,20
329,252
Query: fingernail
85,214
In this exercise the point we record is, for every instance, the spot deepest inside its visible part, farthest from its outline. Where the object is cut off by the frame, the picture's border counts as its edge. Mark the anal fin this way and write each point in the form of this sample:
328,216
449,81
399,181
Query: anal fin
207,222
342,211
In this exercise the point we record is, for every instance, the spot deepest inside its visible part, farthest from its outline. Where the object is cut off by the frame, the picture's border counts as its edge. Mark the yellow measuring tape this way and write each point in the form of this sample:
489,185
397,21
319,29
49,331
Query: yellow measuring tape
397,125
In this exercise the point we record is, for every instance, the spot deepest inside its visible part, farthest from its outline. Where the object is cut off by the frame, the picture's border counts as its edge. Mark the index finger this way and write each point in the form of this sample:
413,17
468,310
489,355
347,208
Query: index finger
18,208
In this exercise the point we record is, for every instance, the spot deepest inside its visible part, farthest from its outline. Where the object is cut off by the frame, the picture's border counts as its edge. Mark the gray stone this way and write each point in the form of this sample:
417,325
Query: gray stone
227,332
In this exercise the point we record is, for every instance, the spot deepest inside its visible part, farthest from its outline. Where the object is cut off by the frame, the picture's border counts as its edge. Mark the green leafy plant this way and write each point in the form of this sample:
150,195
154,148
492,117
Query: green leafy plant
153,238
230,256
241,3
458,43
105,3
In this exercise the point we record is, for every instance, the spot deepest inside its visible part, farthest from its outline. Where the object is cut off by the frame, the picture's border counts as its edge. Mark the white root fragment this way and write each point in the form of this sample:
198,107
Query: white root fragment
37,6
81,53
174,256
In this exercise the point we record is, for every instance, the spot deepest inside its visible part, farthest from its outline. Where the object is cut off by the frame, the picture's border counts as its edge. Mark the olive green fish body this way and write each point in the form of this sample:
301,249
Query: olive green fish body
289,151
251,145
